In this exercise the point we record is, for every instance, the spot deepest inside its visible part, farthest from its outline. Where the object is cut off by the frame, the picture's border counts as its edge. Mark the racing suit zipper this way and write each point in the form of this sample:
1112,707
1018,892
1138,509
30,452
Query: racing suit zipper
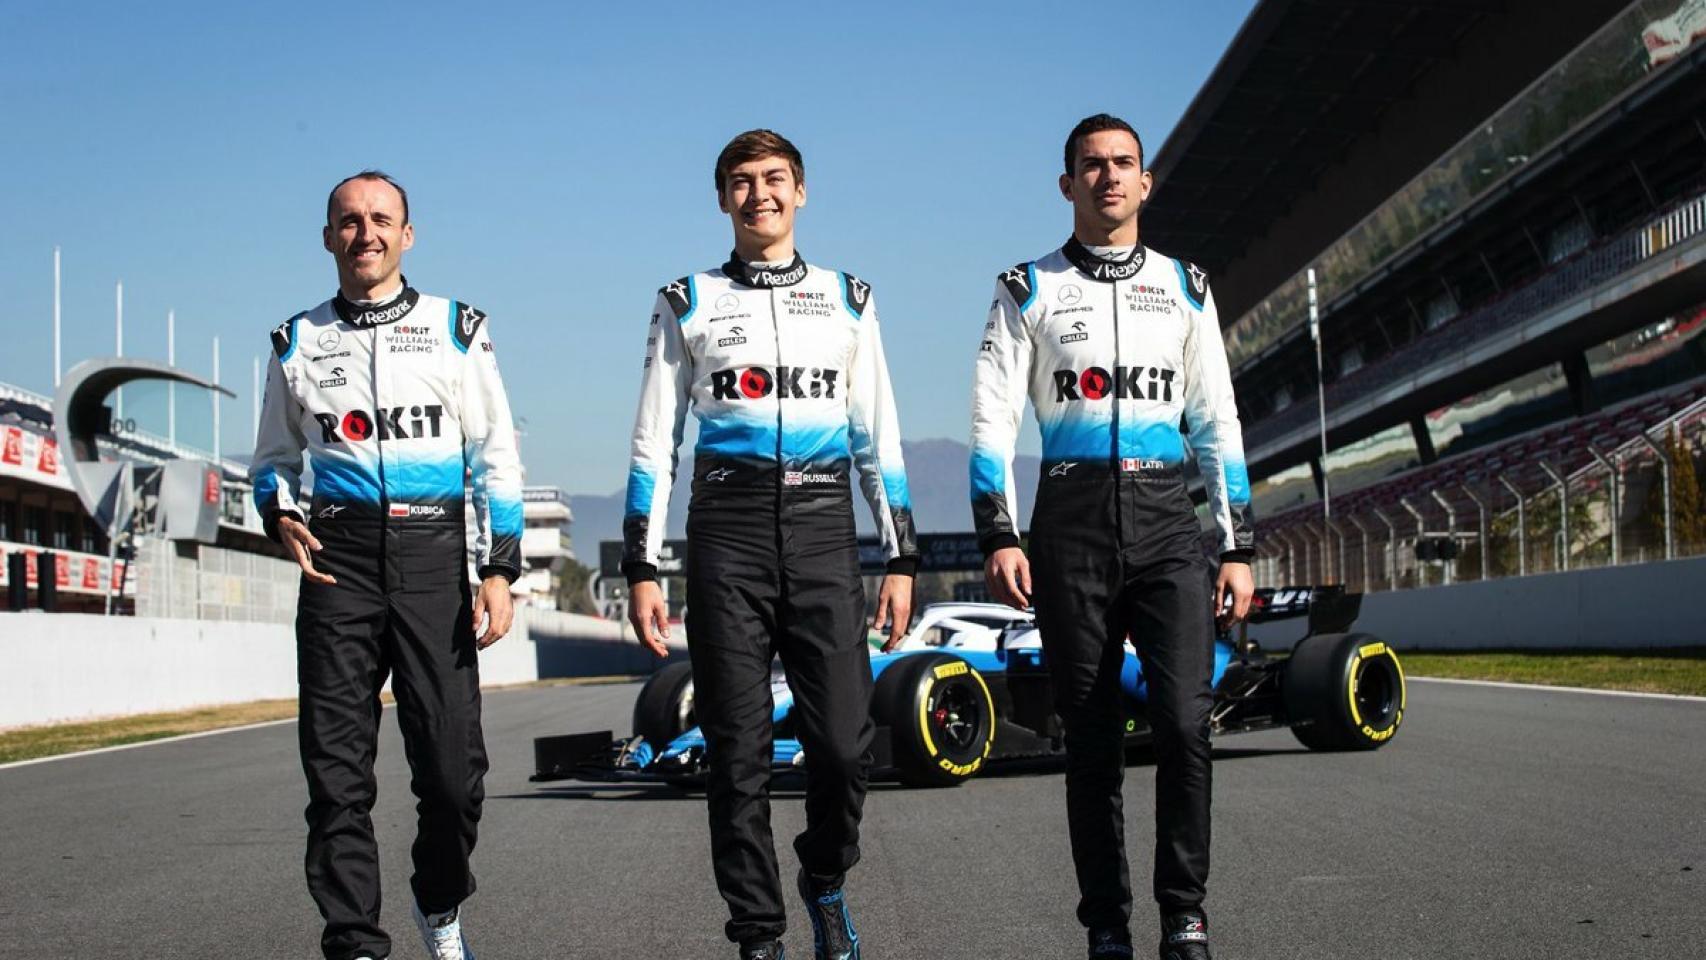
781,469
1118,463
385,567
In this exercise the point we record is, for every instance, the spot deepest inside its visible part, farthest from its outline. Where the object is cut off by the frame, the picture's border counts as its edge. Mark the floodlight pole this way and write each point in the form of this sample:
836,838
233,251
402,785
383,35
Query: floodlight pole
1521,526
1391,549
1421,531
1320,405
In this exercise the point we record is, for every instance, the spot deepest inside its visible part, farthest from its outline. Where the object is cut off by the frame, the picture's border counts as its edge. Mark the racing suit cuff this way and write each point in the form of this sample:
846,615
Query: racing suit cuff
639,572
904,566
1238,556
492,570
998,541
269,522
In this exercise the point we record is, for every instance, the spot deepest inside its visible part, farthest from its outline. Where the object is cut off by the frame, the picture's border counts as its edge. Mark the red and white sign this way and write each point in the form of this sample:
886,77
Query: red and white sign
210,486
74,572
28,455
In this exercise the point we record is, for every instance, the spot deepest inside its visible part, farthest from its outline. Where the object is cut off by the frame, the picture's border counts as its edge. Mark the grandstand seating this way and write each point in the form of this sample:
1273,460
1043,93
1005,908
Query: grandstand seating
1565,446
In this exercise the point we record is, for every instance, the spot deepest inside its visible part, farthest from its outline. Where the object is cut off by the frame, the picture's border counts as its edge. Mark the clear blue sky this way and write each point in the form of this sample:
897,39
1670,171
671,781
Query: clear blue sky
558,161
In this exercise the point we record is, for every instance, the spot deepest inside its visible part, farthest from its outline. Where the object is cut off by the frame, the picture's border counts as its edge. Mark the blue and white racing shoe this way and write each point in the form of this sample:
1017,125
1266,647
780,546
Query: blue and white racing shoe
833,936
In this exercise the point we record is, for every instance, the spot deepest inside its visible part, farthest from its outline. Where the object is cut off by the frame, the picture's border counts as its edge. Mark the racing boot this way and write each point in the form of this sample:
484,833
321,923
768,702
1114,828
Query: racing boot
833,936
1184,936
442,935
763,950
1110,943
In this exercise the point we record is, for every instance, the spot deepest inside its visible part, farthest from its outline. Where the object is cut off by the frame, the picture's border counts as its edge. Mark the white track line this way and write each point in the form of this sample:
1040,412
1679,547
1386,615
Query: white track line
145,743
1549,688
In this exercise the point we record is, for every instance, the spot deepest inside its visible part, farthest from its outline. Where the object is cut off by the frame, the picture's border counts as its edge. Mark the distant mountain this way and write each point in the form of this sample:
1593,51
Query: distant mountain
935,469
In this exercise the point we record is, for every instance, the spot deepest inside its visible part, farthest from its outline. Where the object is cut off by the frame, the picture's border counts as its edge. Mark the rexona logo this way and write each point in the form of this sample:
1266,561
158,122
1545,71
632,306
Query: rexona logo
1126,383
788,383
392,423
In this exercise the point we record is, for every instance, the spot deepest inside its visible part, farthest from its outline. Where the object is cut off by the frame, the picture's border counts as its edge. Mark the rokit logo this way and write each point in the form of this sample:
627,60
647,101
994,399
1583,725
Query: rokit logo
337,379
410,339
1126,383
807,303
788,383
736,336
394,423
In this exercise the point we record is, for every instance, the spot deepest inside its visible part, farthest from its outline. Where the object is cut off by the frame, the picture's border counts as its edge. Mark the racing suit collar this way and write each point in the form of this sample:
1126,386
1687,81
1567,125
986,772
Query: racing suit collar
753,275
376,313
1104,271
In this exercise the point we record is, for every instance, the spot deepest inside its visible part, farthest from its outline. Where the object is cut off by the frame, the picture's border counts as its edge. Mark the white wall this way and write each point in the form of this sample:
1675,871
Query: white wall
1628,607
57,667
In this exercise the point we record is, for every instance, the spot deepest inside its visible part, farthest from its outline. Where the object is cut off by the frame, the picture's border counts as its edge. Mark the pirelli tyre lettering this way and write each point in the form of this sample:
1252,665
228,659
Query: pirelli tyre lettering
940,718
1344,691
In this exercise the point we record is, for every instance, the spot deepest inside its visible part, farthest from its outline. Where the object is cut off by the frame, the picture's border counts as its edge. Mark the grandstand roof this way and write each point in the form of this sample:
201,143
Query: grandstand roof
1301,82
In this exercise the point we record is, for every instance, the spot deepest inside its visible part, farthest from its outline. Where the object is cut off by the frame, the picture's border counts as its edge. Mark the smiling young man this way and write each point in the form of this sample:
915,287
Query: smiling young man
782,363
395,397
1119,350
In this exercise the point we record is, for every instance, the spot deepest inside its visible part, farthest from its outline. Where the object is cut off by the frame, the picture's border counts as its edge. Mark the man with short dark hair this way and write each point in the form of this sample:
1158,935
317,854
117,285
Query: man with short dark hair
395,398
783,365
1119,350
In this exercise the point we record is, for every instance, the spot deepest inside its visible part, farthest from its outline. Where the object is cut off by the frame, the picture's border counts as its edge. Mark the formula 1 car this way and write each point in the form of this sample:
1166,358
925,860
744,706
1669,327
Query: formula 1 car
969,686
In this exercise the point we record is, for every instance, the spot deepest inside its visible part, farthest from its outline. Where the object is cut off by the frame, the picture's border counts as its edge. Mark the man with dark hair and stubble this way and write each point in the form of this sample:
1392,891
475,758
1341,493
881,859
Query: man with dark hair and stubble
782,363
1119,350
395,398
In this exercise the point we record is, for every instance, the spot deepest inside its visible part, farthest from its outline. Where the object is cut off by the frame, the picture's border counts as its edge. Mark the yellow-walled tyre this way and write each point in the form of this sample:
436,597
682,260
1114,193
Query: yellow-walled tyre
1344,691
941,718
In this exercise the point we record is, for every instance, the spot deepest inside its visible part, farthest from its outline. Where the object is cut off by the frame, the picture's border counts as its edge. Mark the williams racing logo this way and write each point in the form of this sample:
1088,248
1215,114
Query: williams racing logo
390,423
411,339
787,383
1125,383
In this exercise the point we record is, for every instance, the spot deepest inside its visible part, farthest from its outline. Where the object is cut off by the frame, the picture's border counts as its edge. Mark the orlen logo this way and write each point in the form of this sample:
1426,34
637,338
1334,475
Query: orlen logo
400,423
1126,383
754,383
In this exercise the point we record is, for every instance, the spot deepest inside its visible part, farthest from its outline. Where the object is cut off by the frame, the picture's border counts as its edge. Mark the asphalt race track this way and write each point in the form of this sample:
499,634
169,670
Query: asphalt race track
1500,823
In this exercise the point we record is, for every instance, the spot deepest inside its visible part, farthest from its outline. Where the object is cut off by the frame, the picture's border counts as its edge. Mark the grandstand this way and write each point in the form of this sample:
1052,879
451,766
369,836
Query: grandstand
1510,245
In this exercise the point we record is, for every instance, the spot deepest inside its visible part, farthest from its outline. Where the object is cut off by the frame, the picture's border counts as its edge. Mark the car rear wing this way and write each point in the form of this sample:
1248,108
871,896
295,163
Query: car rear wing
1331,609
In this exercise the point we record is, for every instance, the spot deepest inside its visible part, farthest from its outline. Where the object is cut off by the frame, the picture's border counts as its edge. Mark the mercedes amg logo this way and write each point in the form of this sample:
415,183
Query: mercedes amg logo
1070,294
727,303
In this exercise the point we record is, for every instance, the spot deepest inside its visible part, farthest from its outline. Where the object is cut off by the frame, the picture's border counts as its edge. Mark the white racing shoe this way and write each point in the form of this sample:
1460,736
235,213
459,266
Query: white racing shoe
442,934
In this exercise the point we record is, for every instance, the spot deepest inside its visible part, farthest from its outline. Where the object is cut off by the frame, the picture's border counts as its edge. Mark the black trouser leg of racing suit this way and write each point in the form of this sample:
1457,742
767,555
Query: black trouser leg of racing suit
1097,580
405,613
763,580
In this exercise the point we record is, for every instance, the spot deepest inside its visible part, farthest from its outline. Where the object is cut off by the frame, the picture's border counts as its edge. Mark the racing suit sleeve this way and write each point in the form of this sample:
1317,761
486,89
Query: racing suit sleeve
494,462
276,468
1000,388
657,438
1211,421
874,429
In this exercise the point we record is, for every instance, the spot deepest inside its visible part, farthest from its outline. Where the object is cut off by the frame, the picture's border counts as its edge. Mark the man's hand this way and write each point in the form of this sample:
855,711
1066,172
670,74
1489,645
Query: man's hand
294,534
1234,580
649,614
894,604
1007,573
493,602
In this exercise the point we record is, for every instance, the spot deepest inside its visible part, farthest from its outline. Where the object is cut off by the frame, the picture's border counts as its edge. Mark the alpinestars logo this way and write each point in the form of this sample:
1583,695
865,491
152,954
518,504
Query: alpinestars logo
736,336
719,475
1125,383
392,423
1062,468
1015,275
788,383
